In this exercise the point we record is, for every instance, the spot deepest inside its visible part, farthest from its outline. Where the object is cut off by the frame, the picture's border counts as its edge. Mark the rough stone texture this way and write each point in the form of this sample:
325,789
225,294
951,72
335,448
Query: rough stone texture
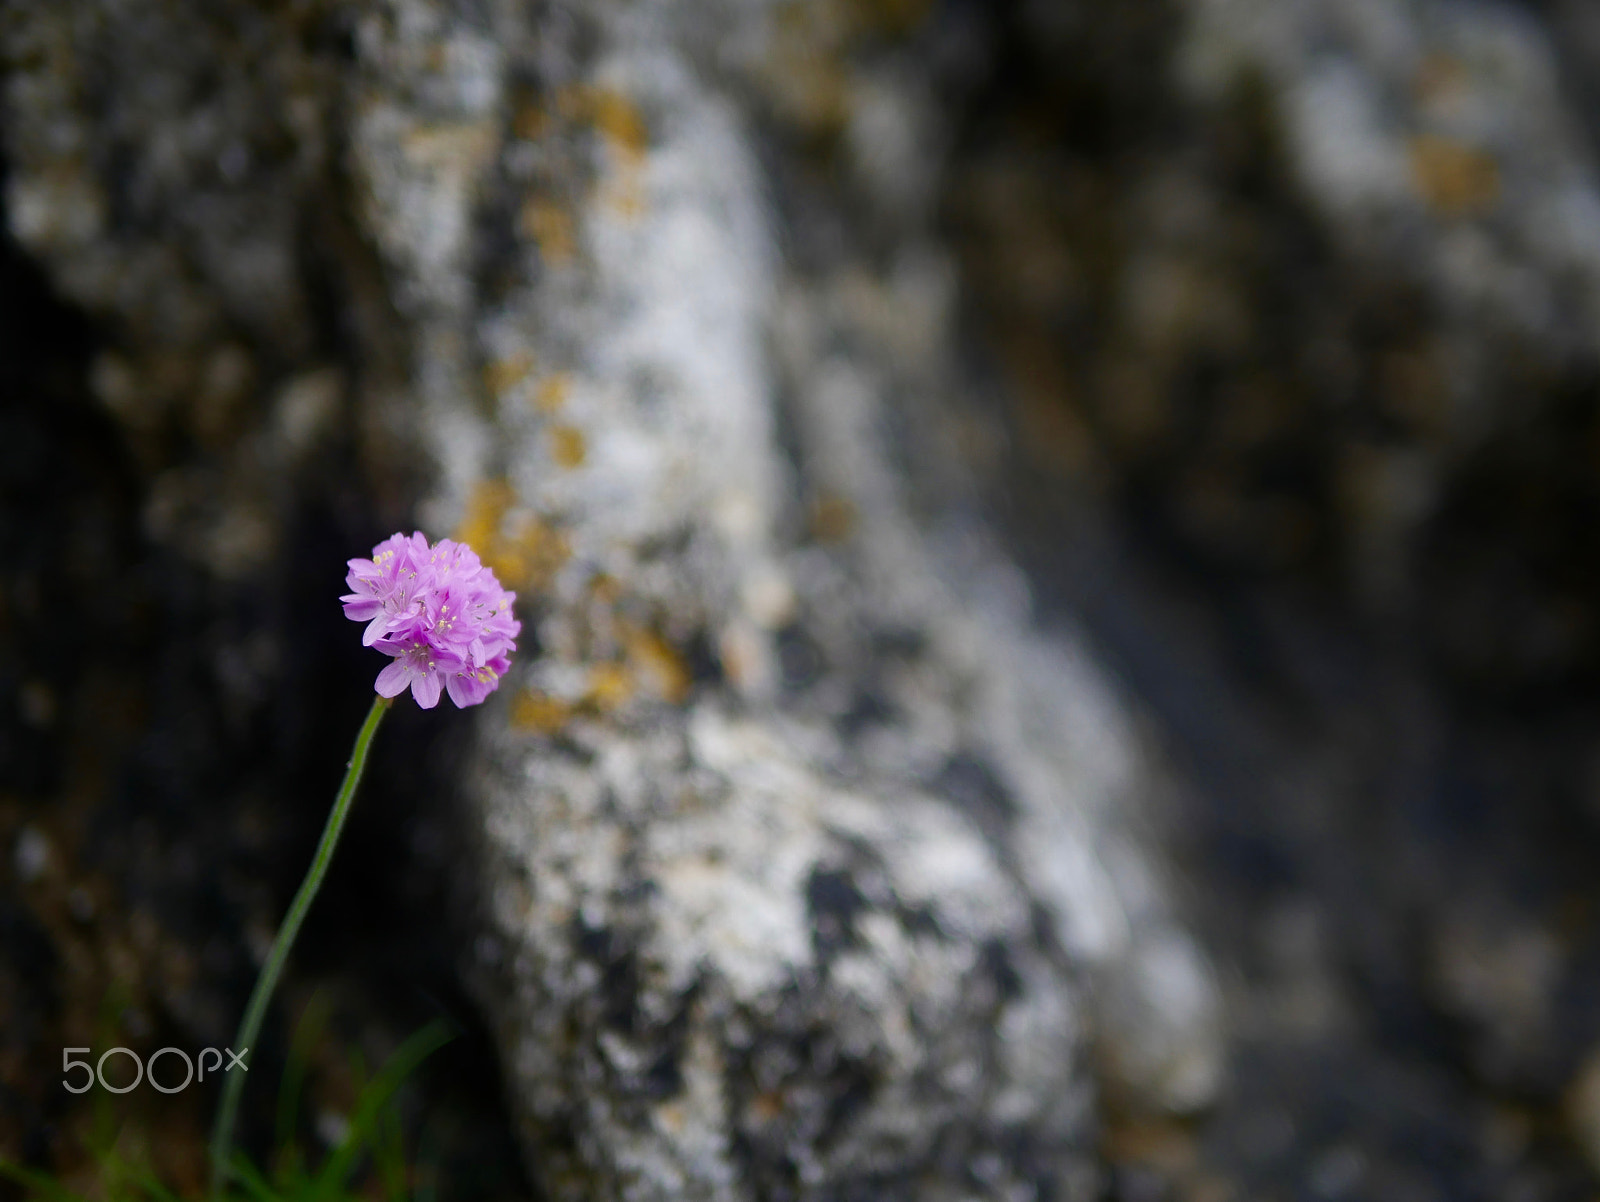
816,926
806,861
1310,334
808,866
1433,142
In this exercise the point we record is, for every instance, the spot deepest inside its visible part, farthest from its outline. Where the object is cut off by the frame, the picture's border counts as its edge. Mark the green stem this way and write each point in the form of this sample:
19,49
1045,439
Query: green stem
227,1113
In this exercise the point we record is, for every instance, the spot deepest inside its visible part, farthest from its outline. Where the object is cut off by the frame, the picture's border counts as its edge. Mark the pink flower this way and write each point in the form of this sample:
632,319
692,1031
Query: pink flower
439,613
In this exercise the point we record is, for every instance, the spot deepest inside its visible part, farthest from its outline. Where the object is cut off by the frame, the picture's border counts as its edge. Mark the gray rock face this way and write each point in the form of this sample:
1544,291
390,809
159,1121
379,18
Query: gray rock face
1431,134
1433,141
809,867
833,924
1320,321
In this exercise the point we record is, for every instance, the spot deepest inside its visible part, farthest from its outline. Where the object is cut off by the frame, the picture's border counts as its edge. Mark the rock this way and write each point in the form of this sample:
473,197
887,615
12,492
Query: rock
815,913
808,865
1583,1108
814,851
1438,151
1298,300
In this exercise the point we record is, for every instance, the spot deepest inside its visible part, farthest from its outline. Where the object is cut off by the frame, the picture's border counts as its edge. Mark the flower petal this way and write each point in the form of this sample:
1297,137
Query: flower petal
392,680
361,609
425,688
439,611
458,692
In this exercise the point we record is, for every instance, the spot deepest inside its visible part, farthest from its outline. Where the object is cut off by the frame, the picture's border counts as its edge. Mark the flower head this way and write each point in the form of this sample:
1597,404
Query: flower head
439,612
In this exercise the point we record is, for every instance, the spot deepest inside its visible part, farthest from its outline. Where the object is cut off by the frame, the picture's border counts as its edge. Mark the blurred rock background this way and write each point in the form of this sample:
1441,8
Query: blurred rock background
1056,546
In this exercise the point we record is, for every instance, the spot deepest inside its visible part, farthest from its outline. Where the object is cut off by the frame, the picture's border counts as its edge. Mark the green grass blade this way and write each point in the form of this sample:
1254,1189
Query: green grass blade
399,1066
389,1154
254,1183
42,1184
147,1182
313,1022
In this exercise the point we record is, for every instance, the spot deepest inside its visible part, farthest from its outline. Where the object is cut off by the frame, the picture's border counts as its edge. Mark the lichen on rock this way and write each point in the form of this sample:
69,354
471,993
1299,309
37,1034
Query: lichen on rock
807,863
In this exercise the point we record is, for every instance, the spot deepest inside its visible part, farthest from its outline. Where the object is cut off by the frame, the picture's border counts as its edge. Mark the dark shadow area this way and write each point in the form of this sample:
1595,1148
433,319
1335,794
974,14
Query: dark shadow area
1390,831
169,748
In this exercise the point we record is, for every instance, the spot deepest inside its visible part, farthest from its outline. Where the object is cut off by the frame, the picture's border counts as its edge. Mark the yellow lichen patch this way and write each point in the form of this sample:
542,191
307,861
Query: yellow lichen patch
1439,78
567,446
626,196
523,551
529,554
619,121
657,664
740,651
572,102
550,226
604,588
502,375
486,508
622,128
767,1107
1456,179
610,687
889,17
530,122
809,88
453,149
611,113
832,518
539,712
810,54
553,391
